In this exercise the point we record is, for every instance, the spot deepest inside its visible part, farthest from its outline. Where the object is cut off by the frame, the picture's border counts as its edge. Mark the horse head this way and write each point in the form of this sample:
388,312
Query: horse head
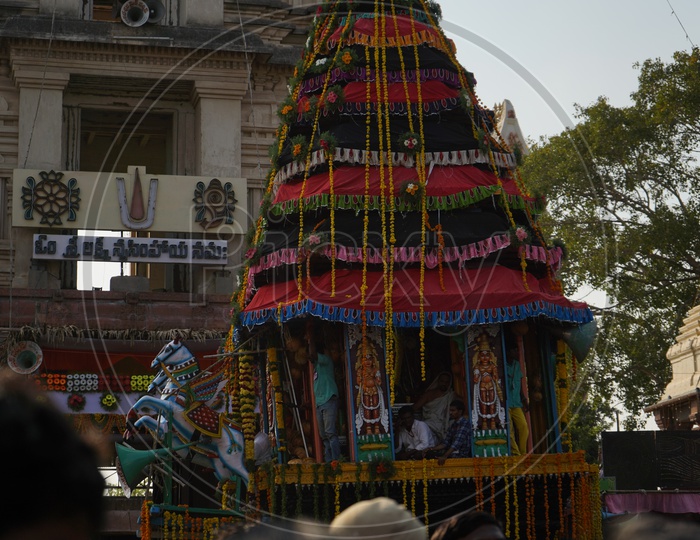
176,364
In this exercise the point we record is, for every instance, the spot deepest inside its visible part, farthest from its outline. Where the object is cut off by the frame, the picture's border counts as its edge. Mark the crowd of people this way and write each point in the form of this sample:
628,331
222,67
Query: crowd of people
53,489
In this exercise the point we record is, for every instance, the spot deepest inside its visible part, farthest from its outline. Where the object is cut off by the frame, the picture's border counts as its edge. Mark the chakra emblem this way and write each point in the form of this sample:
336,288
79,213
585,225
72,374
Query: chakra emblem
214,204
51,198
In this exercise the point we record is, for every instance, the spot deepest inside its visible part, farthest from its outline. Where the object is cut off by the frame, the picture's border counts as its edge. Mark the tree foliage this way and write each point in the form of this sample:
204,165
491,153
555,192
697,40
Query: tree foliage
624,194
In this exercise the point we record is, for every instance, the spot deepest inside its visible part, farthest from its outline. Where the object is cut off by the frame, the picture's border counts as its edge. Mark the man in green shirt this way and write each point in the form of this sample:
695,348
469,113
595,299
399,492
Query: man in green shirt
326,397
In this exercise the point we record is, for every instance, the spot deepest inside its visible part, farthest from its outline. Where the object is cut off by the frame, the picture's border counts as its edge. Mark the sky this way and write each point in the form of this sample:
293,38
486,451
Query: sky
546,55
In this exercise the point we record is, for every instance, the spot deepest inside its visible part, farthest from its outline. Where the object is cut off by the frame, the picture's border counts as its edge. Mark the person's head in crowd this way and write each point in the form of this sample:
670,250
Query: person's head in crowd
52,488
381,518
406,417
470,526
655,527
274,530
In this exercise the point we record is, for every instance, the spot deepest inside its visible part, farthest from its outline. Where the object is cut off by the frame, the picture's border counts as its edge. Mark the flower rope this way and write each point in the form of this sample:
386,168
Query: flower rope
424,221
383,115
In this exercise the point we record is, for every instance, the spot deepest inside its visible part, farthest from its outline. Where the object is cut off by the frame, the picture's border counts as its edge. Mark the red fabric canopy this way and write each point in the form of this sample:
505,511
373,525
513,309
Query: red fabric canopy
491,293
442,181
386,26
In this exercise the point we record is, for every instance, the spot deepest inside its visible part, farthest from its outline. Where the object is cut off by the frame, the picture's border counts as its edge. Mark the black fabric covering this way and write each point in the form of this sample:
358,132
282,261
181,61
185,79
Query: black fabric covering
460,227
443,132
429,58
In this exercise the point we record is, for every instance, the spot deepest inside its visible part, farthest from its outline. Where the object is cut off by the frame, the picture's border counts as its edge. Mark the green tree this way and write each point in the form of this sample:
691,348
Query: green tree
624,194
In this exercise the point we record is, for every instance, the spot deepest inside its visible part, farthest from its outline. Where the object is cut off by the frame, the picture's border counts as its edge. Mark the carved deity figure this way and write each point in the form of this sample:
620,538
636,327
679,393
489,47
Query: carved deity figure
372,414
488,410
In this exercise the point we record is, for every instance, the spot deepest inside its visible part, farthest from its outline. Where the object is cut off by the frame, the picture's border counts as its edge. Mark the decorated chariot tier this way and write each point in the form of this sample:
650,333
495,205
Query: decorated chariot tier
398,244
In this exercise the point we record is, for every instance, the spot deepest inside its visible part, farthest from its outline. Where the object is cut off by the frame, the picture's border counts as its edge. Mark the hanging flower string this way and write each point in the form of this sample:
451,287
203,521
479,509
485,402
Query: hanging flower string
328,144
548,533
146,519
425,218
386,187
307,167
365,215
506,483
247,400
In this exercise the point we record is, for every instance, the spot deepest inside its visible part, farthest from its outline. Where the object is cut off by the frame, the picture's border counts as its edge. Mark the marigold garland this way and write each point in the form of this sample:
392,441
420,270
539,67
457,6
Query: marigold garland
307,168
315,468
365,218
530,506
413,492
299,489
572,499
247,402
546,507
384,132
404,483
560,499
516,509
493,486
283,490
424,221
478,487
76,401
426,511
506,482
109,401
167,520
331,204
336,488
146,519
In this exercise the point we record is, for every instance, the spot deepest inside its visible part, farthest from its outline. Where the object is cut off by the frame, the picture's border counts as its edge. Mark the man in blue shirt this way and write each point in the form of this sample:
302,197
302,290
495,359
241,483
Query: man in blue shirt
457,442
326,397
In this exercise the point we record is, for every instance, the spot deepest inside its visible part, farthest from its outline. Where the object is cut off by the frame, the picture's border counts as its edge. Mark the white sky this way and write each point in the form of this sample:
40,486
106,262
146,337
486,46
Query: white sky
577,51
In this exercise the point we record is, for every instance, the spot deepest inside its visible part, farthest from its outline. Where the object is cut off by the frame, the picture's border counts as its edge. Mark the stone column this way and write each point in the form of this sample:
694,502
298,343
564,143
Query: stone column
218,127
39,144
202,13
218,138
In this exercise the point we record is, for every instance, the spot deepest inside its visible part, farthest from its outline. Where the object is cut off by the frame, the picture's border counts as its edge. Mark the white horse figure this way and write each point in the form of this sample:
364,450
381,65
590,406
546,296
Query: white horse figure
186,408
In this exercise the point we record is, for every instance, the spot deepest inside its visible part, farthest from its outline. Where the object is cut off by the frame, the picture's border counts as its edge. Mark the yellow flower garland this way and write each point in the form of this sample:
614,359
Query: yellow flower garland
365,218
413,492
167,518
404,483
426,511
420,168
337,494
387,251
247,400
506,483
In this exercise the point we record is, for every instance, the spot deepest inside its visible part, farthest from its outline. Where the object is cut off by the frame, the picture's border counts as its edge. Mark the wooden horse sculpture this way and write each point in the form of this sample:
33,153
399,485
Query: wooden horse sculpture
188,408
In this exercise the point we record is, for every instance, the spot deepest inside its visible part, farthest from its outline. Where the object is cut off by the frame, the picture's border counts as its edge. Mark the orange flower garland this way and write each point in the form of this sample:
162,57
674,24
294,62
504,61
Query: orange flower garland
146,519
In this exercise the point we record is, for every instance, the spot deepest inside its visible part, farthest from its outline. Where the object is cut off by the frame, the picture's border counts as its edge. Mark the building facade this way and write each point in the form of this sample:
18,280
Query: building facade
135,147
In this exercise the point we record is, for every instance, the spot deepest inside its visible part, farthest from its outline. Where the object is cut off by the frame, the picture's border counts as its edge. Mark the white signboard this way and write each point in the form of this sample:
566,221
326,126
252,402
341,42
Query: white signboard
129,202
115,249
